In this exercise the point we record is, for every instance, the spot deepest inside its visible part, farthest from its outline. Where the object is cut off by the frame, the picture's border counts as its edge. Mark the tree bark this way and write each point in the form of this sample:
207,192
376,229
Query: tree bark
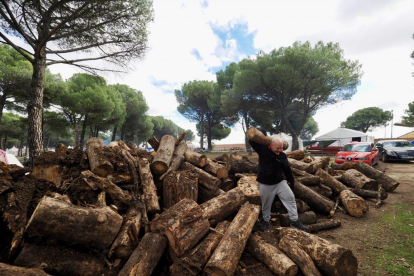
180,138
271,256
148,187
358,180
336,186
179,185
227,254
324,225
314,200
96,227
322,190
296,154
11,270
146,256
163,156
257,136
178,156
200,160
205,194
354,205
344,166
305,218
250,188
238,164
227,184
388,183
292,249
194,262
184,224
60,260
224,205
204,178
369,193
299,165
216,170
154,143
318,163
224,158
309,181
98,163
331,259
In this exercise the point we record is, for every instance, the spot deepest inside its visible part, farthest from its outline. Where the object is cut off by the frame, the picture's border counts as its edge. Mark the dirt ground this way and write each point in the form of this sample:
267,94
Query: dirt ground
354,232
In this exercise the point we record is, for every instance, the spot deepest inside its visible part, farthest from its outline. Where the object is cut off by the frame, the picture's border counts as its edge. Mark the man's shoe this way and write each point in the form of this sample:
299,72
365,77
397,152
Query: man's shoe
297,224
264,226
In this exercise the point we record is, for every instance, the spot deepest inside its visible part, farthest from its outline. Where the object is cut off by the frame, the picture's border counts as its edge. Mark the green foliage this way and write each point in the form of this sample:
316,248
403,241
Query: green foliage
189,135
217,132
12,129
409,119
309,129
164,126
367,119
56,129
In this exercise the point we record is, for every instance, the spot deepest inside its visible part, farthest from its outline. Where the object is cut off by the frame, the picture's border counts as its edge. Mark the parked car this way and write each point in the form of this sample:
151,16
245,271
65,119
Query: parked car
395,150
358,152
201,150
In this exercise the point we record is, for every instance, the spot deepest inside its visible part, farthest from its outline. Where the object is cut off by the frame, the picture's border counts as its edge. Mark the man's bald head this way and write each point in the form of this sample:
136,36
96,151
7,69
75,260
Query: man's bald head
276,145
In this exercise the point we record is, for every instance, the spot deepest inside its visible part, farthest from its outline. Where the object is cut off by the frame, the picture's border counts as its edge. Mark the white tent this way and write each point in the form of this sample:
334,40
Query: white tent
9,159
283,136
13,151
344,136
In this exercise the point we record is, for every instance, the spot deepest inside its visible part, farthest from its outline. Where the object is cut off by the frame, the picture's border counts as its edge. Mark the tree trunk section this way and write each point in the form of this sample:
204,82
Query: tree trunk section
358,180
148,187
98,163
224,205
388,183
200,160
178,156
257,136
60,260
322,190
11,270
319,163
184,224
331,259
271,256
163,156
194,262
344,166
146,256
179,185
324,225
313,199
299,165
369,193
306,218
240,164
227,184
205,194
216,170
292,249
227,254
354,205
204,178
309,181
154,143
180,138
250,188
223,158
96,227
336,186
296,154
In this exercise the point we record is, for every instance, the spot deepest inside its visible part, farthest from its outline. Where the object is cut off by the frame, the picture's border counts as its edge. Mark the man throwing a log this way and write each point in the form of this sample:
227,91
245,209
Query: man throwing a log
273,163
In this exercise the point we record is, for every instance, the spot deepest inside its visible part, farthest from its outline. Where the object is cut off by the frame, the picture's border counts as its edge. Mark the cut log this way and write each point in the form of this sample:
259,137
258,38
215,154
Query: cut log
155,144
224,158
216,169
322,190
227,184
146,256
250,188
95,227
11,270
308,159
113,144
292,249
257,136
313,199
49,172
195,158
319,163
204,178
336,186
354,205
310,180
179,185
296,154
98,163
224,205
389,184
301,206
369,193
331,259
240,164
123,145
305,218
227,254
180,138
358,180
343,166
177,158
271,256
60,260
324,225
127,239
184,224
163,156
148,187
205,194
299,165
194,262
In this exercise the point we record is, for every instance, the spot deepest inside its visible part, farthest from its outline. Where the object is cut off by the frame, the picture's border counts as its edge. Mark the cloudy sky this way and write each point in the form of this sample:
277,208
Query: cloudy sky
192,40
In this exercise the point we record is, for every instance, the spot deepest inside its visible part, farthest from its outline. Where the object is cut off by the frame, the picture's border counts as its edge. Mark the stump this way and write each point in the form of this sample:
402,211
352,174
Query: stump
354,205
358,180
204,178
195,158
179,185
163,156
98,163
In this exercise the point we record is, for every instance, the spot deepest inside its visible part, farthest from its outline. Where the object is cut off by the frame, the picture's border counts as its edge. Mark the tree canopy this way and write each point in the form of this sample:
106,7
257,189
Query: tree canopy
367,119
309,129
409,119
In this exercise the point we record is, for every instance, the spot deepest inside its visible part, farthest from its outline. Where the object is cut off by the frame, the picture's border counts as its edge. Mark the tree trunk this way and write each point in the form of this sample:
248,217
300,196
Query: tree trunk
331,259
177,158
148,187
82,137
194,262
324,225
154,143
204,178
369,193
354,205
257,136
344,166
216,170
296,154
299,256
322,190
224,158
314,200
114,132
271,256
309,180
200,160
387,182
306,218
227,254
318,163
180,138
11,270
96,227
60,260
250,188
299,165
238,164
179,185
146,256
336,186
184,224
358,180
98,163
224,205
205,194
163,156
227,184
202,132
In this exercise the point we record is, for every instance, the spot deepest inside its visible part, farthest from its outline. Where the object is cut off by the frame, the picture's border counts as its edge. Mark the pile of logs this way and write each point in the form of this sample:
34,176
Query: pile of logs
118,210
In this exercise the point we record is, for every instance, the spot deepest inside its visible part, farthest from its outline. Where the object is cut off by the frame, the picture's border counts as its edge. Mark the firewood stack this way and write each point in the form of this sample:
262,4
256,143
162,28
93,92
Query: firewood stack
118,210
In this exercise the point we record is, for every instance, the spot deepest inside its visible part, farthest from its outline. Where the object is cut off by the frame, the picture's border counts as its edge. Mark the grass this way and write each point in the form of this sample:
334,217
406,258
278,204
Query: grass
391,245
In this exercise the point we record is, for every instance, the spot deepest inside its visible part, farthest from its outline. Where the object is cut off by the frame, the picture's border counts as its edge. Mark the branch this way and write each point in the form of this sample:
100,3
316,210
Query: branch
84,47
17,48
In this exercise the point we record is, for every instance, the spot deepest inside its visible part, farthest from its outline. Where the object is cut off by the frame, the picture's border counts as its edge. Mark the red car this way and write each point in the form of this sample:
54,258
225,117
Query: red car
358,152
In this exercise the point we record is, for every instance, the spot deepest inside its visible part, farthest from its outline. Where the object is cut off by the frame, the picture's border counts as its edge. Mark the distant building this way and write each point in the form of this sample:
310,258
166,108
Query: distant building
230,147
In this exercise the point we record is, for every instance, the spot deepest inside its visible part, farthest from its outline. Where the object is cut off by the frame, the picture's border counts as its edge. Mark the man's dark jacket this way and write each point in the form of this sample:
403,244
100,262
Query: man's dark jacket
272,166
